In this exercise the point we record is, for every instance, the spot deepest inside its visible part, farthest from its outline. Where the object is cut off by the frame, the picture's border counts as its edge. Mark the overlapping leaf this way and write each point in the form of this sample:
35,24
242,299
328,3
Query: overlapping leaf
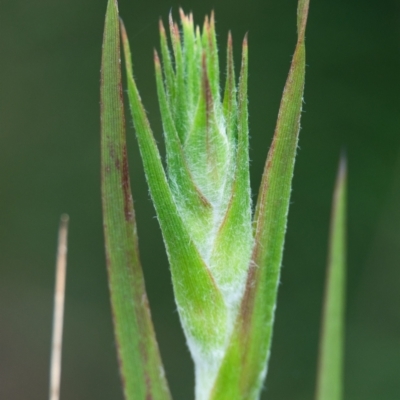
244,365
199,301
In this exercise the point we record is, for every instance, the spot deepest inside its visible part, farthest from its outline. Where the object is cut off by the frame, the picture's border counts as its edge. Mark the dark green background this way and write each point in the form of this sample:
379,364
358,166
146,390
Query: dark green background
49,164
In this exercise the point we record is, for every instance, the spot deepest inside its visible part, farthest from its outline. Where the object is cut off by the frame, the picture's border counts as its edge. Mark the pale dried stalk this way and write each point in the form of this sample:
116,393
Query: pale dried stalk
58,313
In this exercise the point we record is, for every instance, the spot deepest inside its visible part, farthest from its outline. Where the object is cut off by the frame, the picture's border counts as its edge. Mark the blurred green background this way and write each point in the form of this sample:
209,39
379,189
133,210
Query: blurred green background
49,164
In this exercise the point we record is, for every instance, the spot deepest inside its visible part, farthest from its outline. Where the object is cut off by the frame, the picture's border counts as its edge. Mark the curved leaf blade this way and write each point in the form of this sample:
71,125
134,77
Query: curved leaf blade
141,368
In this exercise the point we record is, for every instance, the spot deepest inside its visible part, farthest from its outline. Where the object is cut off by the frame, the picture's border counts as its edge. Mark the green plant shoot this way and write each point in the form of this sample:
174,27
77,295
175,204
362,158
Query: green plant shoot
224,261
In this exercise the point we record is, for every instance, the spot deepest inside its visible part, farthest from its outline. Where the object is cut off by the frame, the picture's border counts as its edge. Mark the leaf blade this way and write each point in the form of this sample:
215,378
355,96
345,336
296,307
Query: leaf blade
250,343
141,368
330,368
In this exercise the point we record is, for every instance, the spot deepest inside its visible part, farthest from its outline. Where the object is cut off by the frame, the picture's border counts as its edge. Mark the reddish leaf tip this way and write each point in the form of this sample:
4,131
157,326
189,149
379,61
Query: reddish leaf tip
171,22
123,29
245,40
161,27
212,19
229,39
156,59
182,15
206,26
175,31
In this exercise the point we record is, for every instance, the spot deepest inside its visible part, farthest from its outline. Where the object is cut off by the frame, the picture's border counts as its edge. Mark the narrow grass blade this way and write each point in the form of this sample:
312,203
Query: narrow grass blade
58,315
230,102
180,90
167,63
198,298
141,368
330,369
244,367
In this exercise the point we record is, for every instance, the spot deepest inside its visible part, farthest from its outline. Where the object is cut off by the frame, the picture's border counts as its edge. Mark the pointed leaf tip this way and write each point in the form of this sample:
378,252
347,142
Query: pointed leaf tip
330,363
229,39
245,39
212,19
161,26
250,344
182,15
156,59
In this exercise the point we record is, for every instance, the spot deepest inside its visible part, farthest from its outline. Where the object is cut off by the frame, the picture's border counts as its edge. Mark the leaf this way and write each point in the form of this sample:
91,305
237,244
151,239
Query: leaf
191,60
232,247
244,367
199,301
180,107
190,201
330,369
211,49
141,368
167,63
230,103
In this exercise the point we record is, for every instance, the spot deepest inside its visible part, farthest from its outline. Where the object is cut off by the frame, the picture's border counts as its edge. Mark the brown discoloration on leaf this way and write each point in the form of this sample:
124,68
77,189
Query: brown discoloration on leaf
252,277
139,368
245,40
262,194
302,16
211,35
206,25
128,209
230,72
149,396
157,62
212,20
161,28
174,29
247,305
182,15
